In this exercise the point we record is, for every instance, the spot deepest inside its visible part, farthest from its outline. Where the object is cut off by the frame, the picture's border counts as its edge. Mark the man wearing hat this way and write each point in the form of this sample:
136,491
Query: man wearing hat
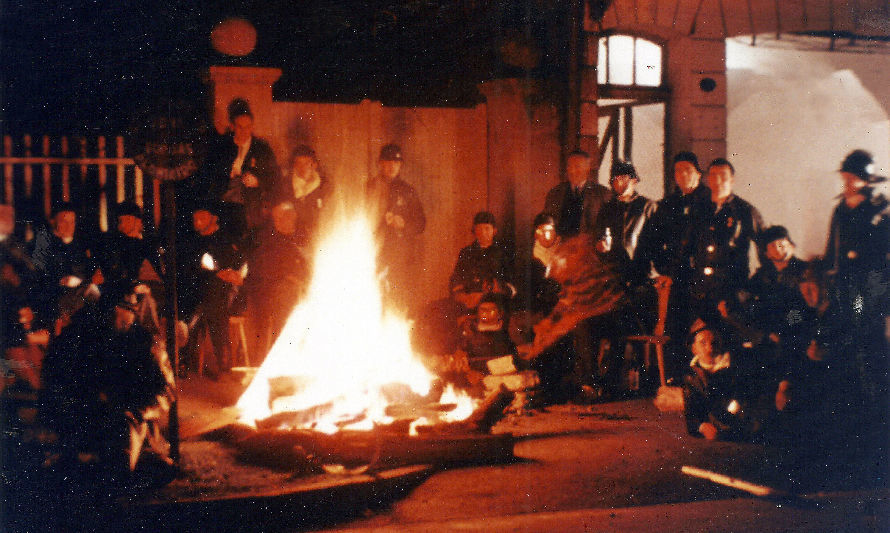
400,221
575,202
857,257
665,244
482,267
623,218
214,272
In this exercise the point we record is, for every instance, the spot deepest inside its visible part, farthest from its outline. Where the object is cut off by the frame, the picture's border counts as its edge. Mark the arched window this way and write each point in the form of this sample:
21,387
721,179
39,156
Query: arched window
630,61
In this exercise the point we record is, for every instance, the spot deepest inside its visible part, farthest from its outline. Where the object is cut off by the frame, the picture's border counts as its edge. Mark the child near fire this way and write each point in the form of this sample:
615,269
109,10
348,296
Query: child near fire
484,337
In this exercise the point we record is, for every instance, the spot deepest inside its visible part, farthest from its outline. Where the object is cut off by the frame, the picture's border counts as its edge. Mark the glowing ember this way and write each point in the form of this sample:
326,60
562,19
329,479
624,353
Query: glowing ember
342,357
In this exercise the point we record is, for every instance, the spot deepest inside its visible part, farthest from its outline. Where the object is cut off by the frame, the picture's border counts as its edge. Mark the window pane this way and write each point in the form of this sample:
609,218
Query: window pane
648,63
621,58
601,67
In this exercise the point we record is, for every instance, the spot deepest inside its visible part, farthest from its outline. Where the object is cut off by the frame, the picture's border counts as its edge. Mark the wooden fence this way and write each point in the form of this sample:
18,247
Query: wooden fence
36,175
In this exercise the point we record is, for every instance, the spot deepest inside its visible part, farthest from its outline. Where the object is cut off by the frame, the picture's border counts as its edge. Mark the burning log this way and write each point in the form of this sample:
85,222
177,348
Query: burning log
306,450
484,417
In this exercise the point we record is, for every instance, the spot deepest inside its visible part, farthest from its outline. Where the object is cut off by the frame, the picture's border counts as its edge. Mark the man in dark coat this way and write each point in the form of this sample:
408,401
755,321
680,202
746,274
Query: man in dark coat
400,221
482,267
724,231
215,270
65,264
575,203
857,257
665,244
308,190
240,172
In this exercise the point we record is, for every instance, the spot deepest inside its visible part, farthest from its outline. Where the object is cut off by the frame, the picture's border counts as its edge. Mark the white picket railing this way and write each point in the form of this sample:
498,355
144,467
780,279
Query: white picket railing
65,169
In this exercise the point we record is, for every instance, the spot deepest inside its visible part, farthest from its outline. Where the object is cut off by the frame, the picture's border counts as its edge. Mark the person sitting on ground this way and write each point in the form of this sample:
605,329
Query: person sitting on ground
484,338
714,393
106,385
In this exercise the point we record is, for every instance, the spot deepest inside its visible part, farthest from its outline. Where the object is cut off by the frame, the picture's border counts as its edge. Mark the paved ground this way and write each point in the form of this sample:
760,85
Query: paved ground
616,466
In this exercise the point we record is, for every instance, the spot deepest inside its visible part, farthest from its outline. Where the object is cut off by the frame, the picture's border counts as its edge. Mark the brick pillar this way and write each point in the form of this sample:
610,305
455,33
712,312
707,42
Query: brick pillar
253,84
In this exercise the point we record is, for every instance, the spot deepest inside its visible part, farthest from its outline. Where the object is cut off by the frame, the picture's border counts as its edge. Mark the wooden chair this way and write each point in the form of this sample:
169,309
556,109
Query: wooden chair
657,338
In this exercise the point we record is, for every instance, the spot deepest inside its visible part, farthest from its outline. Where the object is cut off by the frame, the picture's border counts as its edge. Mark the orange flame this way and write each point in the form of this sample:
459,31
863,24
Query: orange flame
342,348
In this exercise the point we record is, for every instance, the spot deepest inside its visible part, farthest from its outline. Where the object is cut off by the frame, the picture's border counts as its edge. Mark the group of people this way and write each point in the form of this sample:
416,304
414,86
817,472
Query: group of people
794,341
796,336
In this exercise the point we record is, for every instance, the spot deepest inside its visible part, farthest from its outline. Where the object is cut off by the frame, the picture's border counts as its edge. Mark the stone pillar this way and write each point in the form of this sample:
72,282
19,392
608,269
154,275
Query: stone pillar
253,84
523,154
697,111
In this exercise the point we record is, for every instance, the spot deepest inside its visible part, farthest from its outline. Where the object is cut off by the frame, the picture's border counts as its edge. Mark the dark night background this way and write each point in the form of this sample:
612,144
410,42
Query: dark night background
95,67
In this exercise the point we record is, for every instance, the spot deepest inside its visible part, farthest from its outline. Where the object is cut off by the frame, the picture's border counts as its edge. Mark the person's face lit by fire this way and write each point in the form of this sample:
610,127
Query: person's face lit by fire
623,186
242,126
389,169
284,218
779,250
720,181
545,235
852,183
703,347
489,313
686,176
484,234
26,317
204,222
811,292
303,166
130,225
64,225
578,169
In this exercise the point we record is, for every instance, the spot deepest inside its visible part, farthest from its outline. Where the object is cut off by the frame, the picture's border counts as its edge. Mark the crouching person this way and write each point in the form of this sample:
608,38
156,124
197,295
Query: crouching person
716,401
106,388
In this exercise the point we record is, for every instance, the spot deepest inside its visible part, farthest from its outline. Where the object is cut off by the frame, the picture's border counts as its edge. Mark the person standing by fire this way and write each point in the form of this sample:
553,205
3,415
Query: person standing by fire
240,171
400,221
857,258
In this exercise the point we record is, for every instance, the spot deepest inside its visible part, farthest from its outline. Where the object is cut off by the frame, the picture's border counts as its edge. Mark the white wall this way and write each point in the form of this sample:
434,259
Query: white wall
792,117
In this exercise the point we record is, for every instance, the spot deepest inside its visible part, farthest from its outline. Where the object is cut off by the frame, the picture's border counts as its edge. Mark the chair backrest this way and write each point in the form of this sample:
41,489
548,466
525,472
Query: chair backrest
664,293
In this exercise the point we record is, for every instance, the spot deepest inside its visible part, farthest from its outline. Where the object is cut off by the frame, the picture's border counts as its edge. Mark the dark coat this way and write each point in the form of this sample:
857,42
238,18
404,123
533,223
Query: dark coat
480,269
721,242
214,180
571,215
666,240
626,221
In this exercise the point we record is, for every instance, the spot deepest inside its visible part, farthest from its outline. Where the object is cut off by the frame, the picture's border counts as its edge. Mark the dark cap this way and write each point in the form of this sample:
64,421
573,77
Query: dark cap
238,107
623,168
303,150
484,217
860,163
774,233
544,218
689,157
128,208
391,152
